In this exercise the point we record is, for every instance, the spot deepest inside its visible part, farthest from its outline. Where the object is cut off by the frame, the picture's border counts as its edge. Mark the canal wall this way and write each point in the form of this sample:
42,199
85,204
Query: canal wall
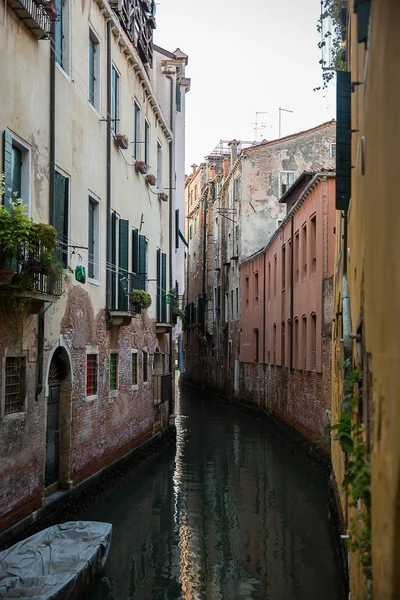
63,505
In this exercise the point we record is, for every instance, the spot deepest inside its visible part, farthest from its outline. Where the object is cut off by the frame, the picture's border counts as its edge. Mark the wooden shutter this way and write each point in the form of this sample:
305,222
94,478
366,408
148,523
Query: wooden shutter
113,266
142,261
135,251
343,140
61,213
163,287
158,298
363,10
123,283
7,167
91,240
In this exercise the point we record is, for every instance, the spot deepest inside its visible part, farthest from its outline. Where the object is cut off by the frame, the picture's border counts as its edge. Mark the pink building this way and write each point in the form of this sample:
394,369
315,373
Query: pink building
286,290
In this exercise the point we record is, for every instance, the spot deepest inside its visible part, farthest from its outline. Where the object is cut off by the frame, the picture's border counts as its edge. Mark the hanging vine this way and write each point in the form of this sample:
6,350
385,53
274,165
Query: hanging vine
357,479
332,28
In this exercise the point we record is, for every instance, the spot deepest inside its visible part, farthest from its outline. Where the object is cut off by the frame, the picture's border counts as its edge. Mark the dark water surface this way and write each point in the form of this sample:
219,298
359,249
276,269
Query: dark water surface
232,515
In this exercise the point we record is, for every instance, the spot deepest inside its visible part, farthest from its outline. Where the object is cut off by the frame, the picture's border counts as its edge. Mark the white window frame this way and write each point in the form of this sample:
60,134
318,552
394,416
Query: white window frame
147,129
332,153
136,385
137,130
96,105
25,193
20,413
159,166
96,259
288,185
65,41
115,124
92,350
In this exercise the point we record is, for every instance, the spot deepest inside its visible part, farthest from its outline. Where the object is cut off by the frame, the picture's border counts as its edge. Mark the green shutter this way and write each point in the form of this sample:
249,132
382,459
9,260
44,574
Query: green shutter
142,260
363,10
163,287
123,283
135,251
158,300
91,240
343,140
113,267
7,167
61,212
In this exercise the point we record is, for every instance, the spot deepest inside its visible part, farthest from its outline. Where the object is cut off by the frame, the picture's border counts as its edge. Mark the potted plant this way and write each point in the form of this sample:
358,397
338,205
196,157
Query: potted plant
16,230
141,167
177,312
151,179
163,197
121,141
140,300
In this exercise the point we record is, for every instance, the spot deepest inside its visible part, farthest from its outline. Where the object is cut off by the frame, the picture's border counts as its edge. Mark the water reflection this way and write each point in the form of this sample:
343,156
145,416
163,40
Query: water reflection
231,515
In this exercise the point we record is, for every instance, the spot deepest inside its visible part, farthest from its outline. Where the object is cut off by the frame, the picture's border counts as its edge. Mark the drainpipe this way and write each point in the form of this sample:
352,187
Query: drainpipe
291,292
39,386
52,125
108,171
170,215
203,283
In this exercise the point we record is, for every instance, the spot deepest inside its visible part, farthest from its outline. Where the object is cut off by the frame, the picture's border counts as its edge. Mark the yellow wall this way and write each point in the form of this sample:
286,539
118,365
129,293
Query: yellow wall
374,283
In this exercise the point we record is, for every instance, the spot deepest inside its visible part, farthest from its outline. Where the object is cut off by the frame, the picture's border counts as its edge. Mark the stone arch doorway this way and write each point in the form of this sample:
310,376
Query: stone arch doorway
58,422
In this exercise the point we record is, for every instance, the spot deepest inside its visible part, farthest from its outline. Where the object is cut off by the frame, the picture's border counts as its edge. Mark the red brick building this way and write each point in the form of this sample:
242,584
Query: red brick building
286,290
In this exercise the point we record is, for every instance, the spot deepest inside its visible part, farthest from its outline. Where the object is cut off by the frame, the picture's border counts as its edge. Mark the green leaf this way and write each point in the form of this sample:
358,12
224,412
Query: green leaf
346,442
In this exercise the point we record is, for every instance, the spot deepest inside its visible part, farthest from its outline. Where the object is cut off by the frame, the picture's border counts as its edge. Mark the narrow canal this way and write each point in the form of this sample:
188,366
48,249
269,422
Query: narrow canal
232,514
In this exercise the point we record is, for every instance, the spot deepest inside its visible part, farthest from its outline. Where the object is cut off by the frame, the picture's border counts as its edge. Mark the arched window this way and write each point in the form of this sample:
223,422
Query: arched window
296,344
313,341
304,343
283,344
256,346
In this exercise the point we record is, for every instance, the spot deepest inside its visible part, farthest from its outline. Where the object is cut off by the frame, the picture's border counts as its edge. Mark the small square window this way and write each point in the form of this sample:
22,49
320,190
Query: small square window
91,374
145,367
332,152
113,371
15,377
134,368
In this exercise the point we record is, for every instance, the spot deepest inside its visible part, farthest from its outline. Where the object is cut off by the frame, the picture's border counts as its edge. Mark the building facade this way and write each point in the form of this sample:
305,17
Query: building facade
366,297
286,291
90,145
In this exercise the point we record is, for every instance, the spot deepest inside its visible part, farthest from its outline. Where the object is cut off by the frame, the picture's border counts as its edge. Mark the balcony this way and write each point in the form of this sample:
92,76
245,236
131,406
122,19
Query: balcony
35,274
162,388
34,15
122,309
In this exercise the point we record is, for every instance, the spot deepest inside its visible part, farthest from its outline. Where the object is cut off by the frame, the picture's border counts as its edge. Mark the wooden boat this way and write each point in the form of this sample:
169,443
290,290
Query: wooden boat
58,563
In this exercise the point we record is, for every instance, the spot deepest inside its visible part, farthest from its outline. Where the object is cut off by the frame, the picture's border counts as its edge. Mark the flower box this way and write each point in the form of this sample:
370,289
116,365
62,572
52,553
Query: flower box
163,197
121,141
141,167
151,179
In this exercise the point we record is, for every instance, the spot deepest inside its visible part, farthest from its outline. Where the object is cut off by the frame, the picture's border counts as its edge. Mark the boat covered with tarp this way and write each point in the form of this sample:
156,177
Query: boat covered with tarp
58,563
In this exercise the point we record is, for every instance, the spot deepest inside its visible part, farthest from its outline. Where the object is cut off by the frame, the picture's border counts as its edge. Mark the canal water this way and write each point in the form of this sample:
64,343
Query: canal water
230,514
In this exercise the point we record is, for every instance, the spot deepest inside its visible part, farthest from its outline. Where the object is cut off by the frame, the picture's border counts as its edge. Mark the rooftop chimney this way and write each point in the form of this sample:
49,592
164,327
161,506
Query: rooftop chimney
194,169
233,146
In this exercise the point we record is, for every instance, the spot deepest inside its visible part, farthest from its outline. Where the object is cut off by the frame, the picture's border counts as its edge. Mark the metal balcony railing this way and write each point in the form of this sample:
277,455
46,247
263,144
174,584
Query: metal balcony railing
34,15
123,283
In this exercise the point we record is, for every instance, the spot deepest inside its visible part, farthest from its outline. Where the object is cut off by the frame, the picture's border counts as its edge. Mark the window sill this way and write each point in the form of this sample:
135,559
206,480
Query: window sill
63,73
94,109
146,383
135,388
113,394
13,416
91,398
94,281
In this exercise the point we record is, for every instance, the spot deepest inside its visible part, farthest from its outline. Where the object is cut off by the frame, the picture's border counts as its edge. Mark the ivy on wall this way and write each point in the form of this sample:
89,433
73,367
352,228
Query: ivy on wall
332,28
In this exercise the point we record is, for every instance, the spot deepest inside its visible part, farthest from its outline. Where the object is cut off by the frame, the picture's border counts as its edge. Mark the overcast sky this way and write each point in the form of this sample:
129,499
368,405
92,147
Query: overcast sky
245,57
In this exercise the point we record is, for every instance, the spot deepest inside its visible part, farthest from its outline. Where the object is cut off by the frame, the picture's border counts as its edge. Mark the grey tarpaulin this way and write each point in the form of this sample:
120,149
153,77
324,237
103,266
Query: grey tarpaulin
57,563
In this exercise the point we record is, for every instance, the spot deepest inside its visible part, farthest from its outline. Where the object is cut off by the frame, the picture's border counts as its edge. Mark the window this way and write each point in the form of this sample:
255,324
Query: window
256,345
115,100
134,367
61,213
15,385
274,344
269,281
275,272
289,263
227,306
313,243
314,341
236,188
190,232
94,70
61,34
305,249
93,239
91,374
146,141
286,179
296,344
16,168
232,309
237,301
332,151
161,304
159,167
256,286
113,371
283,343
136,132
246,289
139,259
296,257
283,267
304,343
145,367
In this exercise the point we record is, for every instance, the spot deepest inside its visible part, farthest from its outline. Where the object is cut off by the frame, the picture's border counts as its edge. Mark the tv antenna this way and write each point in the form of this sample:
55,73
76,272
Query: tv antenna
259,126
